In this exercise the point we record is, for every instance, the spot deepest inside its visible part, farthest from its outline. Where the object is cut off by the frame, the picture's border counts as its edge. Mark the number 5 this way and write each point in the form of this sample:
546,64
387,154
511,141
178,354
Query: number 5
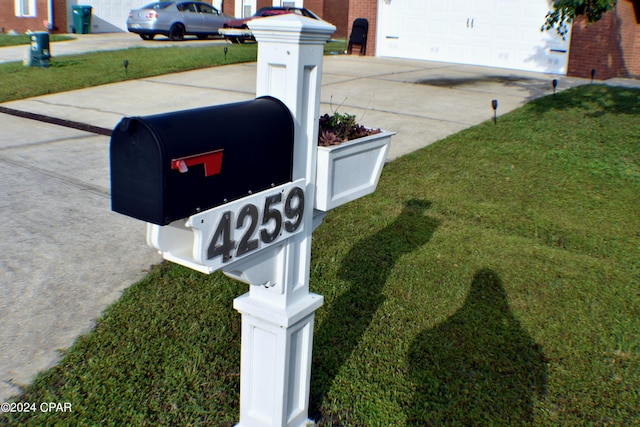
271,214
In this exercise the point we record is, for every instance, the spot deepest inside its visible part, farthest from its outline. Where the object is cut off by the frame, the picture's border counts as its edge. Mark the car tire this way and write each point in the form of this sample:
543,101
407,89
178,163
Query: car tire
147,36
176,33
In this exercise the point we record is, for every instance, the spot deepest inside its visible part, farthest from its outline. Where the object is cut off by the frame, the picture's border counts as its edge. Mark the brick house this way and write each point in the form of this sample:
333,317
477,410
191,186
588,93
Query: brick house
498,33
611,46
33,15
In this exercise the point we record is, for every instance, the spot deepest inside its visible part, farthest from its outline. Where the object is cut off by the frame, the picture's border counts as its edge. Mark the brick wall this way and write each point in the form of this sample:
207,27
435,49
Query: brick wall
365,9
60,16
629,12
263,3
333,11
315,6
610,46
9,21
228,7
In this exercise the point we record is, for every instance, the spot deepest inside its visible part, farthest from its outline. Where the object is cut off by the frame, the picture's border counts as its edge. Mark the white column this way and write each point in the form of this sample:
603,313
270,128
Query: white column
278,311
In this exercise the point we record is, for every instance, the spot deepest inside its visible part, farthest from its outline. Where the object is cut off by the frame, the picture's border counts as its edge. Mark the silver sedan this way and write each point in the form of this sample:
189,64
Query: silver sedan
176,19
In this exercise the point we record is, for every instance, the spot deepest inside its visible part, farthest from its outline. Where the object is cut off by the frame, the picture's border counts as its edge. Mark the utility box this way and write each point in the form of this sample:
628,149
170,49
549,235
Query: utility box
38,54
82,18
170,166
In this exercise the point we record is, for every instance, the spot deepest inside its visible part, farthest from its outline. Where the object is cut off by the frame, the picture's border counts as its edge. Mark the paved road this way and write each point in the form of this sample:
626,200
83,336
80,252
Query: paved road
66,256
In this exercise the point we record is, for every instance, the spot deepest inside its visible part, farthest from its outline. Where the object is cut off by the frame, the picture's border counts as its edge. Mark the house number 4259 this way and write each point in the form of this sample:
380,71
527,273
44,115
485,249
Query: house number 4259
256,224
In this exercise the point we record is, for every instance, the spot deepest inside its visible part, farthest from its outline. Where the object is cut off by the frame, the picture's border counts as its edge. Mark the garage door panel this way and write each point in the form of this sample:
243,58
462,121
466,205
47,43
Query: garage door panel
502,33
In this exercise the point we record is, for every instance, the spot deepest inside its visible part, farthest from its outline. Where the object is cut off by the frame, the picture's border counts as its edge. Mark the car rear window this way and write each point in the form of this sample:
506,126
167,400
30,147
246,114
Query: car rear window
158,5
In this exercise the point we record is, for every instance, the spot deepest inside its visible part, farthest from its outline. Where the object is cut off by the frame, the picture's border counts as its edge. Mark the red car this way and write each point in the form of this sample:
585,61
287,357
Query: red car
237,30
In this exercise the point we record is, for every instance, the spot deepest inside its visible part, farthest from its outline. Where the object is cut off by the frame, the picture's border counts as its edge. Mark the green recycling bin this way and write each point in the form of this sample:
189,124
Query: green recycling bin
40,53
82,18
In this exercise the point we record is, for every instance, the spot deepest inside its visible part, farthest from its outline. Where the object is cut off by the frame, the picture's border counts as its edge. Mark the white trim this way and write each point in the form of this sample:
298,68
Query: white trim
25,8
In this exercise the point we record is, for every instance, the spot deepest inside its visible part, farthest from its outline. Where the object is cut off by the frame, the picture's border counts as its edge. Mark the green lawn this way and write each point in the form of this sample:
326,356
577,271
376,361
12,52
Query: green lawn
92,69
80,71
24,39
492,279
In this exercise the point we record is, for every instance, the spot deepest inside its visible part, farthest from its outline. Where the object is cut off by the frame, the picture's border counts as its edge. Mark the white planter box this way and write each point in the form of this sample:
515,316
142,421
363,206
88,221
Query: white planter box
350,170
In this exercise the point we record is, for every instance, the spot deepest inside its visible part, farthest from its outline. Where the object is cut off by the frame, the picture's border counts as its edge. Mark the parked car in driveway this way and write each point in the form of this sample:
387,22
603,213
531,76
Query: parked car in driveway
237,30
176,19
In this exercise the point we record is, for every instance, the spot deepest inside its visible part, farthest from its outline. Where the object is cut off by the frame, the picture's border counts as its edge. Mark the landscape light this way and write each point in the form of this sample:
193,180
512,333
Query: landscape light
494,105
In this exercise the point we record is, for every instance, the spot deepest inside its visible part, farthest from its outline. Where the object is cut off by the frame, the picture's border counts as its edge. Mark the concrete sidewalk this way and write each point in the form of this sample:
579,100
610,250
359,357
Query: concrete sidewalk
66,256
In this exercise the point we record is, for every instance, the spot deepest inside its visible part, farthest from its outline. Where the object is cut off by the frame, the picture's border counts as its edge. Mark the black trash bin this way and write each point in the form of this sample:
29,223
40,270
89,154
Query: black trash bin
39,54
82,18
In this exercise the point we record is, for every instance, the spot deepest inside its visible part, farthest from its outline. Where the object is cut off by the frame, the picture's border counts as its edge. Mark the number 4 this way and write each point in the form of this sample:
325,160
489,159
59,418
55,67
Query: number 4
222,232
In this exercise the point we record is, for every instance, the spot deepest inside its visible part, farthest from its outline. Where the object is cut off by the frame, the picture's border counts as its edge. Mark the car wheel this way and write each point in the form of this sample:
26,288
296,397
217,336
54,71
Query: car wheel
176,33
147,36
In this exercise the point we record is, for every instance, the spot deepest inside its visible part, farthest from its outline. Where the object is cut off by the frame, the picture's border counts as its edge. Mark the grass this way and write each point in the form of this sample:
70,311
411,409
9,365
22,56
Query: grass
492,279
24,39
80,71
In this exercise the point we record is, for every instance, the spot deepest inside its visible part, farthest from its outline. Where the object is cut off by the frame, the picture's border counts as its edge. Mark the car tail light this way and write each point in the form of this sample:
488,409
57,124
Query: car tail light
152,15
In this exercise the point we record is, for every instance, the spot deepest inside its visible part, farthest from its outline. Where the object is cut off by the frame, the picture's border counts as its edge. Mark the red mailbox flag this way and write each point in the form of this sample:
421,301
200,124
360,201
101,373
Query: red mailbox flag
212,161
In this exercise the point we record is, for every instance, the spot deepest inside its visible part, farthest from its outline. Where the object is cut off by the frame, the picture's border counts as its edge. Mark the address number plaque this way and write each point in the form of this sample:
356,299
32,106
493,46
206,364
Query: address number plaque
242,227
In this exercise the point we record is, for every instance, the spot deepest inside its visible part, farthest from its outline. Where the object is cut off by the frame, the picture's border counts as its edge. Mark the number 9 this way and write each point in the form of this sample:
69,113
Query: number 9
293,211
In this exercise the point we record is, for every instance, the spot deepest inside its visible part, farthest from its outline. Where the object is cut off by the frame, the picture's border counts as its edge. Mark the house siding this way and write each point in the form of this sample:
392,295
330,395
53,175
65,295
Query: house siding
9,21
610,46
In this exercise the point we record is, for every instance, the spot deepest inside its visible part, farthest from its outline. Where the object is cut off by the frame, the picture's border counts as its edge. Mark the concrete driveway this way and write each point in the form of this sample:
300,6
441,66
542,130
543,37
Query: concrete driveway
66,256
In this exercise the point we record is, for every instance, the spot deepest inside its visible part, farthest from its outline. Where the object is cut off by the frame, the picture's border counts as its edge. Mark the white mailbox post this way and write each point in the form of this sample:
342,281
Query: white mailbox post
278,311
262,238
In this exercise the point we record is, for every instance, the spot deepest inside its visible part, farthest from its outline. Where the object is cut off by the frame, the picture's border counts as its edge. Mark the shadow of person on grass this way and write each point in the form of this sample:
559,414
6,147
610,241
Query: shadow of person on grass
479,367
366,267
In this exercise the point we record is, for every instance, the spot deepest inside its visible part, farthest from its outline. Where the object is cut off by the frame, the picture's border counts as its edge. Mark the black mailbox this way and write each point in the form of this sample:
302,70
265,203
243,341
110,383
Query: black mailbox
170,166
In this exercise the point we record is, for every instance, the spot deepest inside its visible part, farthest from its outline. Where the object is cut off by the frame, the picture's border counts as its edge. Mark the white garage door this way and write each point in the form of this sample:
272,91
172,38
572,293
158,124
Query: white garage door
496,33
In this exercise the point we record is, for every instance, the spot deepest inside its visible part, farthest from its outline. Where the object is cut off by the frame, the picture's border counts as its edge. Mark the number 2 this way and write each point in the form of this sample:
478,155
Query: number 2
245,244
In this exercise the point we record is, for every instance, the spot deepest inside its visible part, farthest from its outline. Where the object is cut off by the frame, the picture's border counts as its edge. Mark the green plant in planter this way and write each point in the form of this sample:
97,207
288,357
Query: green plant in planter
340,127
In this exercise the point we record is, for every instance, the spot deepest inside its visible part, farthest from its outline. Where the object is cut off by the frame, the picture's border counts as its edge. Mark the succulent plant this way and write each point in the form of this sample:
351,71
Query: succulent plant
340,127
